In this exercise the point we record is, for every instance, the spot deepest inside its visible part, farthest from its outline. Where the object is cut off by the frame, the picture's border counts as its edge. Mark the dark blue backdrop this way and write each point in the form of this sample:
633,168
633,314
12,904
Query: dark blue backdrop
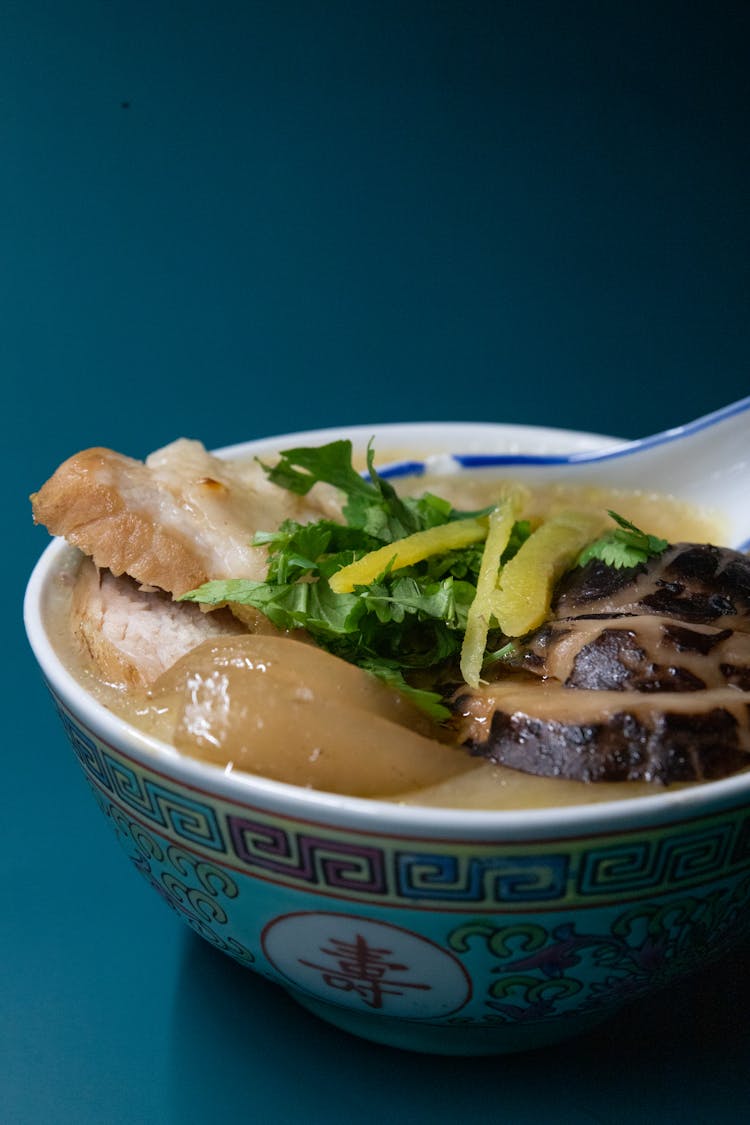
230,219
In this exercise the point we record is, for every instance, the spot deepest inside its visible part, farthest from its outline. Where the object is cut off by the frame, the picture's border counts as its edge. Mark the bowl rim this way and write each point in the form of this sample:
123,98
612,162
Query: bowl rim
369,814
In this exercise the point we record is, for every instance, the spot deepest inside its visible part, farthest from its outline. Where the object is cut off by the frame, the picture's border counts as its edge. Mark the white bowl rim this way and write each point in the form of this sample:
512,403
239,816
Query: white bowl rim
360,813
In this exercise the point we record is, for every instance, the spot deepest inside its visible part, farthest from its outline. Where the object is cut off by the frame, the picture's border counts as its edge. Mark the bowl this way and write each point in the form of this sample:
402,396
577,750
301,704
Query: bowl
430,929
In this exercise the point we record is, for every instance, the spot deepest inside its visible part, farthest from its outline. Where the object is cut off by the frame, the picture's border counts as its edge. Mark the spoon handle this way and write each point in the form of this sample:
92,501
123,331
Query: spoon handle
705,462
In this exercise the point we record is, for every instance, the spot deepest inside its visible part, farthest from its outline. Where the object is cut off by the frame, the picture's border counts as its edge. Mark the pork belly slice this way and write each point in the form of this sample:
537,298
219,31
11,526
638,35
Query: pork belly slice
690,582
132,636
637,653
545,728
179,519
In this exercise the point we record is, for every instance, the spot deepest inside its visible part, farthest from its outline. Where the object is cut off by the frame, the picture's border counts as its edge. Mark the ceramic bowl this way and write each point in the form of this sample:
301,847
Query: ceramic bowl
429,929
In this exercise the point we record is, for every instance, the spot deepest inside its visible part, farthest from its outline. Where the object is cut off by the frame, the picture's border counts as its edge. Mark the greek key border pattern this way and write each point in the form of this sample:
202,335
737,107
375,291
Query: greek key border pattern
411,873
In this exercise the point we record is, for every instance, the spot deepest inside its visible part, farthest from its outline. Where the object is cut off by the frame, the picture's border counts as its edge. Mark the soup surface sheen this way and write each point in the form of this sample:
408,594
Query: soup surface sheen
286,710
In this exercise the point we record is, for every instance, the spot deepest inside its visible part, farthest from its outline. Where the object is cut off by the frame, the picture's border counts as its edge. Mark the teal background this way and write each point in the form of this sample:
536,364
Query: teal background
234,219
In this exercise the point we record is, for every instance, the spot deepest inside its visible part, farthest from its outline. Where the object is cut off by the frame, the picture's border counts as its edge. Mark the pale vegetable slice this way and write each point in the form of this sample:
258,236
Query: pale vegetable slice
500,526
289,711
527,581
406,552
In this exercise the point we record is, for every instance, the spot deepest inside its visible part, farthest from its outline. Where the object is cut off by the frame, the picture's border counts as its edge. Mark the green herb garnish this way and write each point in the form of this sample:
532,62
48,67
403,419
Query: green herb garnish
403,622
624,546
407,619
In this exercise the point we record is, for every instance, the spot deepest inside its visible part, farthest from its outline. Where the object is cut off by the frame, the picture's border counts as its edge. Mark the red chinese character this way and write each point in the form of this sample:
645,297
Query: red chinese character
363,969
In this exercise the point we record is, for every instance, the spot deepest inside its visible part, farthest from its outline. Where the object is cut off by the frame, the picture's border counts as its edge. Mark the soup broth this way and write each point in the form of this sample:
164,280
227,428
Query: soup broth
315,721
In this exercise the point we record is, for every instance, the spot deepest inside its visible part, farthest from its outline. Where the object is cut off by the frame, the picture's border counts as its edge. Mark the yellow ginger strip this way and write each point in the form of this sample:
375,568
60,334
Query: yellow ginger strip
501,523
405,552
522,603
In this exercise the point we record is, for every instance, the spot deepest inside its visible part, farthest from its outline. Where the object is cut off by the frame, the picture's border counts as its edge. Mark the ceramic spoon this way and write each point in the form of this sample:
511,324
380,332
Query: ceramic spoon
705,462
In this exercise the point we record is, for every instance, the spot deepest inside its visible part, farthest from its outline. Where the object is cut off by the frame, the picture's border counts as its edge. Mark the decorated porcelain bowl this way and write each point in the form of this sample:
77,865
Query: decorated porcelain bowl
432,929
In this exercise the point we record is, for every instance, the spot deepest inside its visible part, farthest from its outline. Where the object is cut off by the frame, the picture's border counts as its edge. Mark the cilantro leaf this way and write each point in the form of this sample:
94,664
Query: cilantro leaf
624,546
299,469
431,702
403,622
299,549
372,506
296,605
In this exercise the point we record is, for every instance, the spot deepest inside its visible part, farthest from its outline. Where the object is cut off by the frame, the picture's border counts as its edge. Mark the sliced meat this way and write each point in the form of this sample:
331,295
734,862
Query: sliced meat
133,636
175,521
548,729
